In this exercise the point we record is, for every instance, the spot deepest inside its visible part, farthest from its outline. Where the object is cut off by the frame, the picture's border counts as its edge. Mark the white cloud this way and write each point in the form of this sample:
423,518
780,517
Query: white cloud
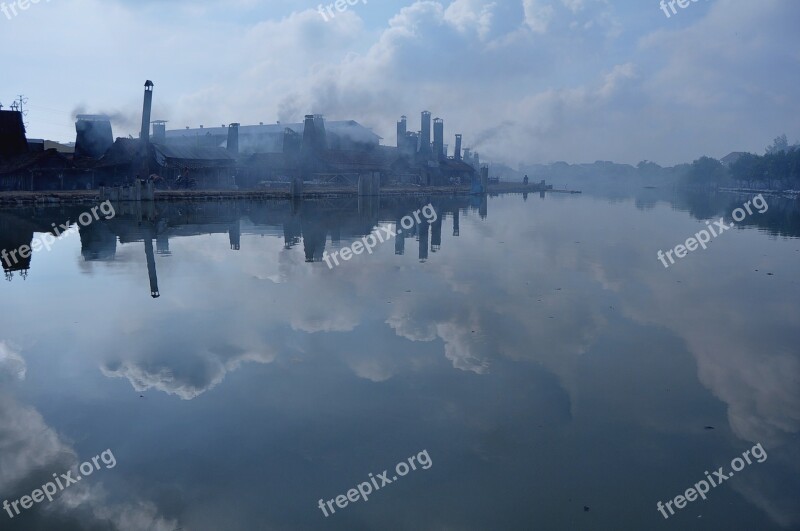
538,15
516,78
30,451
12,365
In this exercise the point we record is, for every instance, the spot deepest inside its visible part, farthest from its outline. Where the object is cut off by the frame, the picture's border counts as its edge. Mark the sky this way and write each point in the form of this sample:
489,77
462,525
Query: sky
525,81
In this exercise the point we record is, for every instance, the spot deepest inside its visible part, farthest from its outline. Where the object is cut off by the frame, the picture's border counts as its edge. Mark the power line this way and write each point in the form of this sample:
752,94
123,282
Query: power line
54,124
49,109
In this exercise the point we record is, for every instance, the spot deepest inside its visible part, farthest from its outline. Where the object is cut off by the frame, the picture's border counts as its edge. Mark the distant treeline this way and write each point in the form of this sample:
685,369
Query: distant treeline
777,169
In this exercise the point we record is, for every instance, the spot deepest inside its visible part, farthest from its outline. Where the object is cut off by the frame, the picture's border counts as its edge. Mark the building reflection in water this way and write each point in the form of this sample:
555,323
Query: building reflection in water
316,224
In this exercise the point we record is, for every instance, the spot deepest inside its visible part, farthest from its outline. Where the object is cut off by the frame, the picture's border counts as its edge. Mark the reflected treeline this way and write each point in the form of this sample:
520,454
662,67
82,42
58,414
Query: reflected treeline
782,218
317,225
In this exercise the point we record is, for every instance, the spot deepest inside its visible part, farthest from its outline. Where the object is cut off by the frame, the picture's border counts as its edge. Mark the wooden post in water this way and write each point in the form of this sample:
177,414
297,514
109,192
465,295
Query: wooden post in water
369,184
297,188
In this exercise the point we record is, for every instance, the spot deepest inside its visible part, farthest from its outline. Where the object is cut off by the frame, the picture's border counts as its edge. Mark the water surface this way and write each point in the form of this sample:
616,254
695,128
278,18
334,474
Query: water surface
558,376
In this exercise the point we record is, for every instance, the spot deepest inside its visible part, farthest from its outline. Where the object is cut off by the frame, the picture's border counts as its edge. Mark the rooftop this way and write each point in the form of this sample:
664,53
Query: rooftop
345,128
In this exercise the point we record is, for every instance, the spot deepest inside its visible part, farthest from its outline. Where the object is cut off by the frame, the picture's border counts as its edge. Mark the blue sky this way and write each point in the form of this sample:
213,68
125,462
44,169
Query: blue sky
524,80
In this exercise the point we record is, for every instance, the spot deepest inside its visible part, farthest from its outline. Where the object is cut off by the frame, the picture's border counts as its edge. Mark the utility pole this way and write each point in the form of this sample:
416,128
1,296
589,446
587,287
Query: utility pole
18,106
22,100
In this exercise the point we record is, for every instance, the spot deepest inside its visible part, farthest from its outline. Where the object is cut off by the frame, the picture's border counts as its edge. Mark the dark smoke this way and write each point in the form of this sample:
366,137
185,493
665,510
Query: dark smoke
492,134
119,119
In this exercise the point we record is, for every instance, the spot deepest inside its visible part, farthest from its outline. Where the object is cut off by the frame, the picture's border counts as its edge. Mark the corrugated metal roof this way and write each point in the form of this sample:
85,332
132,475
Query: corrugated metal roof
339,127
193,153
456,165
122,152
275,161
42,160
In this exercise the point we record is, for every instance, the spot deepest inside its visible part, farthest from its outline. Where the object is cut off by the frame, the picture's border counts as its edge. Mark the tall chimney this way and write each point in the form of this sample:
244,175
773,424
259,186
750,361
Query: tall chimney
147,108
411,142
319,130
458,147
233,139
425,134
438,138
309,133
160,132
402,128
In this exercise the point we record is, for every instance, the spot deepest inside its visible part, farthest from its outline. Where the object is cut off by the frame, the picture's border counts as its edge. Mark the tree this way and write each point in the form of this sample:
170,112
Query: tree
779,145
706,171
749,168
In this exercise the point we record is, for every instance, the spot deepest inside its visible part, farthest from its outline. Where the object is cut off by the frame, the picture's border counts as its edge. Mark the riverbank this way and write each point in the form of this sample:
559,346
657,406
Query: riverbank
310,192
791,194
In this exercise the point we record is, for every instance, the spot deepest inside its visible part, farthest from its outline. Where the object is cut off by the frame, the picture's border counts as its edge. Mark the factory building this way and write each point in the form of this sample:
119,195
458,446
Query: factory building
269,138
12,134
247,156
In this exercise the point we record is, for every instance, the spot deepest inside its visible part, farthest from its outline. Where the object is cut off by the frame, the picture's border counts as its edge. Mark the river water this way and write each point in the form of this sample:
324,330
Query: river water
532,354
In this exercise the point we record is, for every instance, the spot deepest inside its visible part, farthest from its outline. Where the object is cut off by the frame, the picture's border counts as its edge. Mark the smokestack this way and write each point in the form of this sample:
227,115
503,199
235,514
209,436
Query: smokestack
411,142
402,129
151,267
458,147
93,135
233,139
425,134
160,132
321,143
148,105
309,133
438,138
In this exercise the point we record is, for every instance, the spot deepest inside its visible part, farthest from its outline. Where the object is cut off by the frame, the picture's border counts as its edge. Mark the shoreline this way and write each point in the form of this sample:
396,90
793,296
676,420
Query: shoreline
58,197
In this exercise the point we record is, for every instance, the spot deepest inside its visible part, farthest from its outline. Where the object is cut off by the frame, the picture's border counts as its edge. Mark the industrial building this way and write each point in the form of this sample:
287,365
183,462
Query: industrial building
330,152
233,155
